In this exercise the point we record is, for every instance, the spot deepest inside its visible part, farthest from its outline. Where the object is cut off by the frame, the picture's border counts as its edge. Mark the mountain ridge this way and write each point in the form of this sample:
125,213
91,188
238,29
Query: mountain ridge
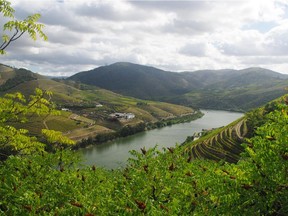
189,88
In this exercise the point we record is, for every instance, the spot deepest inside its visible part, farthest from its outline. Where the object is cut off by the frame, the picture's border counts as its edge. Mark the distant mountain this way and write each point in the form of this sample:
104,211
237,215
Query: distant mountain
137,80
234,89
215,89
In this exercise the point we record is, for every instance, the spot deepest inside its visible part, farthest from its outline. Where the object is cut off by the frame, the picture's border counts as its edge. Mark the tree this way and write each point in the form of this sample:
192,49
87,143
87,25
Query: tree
16,109
14,29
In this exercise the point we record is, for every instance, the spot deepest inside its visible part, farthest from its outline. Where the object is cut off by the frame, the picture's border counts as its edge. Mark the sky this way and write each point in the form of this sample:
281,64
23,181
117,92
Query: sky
185,35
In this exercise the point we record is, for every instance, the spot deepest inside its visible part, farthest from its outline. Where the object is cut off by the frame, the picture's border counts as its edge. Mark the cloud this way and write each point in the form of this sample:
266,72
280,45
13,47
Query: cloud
172,35
255,43
240,43
195,49
277,40
111,11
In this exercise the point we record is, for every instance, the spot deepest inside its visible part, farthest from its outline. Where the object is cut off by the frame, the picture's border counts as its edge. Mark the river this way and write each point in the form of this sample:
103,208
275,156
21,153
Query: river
115,153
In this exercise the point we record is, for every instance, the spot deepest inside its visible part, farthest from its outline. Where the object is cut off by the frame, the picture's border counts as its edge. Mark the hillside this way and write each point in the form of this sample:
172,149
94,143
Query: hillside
12,77
86,109
135,80
221,144
211,89
235,90
175,181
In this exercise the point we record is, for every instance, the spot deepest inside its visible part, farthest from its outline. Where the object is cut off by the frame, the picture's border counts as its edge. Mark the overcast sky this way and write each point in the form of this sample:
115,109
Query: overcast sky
183,35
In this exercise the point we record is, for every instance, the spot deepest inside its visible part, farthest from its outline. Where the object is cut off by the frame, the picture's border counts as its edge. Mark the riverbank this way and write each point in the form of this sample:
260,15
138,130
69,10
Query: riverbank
114,154
129,130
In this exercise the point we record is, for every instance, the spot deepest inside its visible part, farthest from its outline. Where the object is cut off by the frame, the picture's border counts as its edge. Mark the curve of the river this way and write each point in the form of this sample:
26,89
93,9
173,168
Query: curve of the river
115,153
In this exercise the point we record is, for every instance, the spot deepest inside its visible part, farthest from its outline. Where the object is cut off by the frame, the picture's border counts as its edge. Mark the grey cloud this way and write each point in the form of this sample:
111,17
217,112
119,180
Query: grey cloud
56,57
63,36
196,49
277,41
62,57
240,50
61,15
278,49
264,60
187,15
108,12
149,32
96,10
170,6
273,43
188,27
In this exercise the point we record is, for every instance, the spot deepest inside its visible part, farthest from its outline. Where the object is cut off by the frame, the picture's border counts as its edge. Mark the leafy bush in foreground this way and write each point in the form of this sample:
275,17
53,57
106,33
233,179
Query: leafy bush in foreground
154,182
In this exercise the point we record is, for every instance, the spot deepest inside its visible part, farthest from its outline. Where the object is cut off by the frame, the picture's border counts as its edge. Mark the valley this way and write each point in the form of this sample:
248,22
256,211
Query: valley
225,170
87,111
114,154
125,123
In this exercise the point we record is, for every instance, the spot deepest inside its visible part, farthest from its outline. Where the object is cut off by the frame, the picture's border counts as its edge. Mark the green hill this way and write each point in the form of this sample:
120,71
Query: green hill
211,89
88,108
226,143
221,144
135,80
235,90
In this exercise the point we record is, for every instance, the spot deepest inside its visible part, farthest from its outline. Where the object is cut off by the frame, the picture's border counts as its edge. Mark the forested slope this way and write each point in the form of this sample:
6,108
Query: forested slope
238,90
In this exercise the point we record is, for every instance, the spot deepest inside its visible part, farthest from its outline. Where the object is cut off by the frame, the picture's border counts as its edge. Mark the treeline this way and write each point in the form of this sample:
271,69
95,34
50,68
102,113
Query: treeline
133,129
177,120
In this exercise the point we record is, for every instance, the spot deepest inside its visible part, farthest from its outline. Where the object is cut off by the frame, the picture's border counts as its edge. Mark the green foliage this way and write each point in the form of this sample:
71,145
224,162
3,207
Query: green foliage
15,108
56,138
17,28
155,182
6,9
130,130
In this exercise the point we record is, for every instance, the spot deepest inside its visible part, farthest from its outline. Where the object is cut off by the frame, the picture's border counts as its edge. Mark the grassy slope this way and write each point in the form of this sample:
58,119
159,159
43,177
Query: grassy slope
6,73
85,98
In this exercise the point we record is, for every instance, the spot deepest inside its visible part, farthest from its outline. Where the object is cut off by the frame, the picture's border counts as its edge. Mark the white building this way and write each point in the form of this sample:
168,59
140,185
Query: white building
65,109
129,115
122,115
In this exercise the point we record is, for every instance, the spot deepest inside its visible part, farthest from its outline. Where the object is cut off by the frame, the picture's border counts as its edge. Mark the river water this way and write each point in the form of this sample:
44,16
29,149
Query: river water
115,153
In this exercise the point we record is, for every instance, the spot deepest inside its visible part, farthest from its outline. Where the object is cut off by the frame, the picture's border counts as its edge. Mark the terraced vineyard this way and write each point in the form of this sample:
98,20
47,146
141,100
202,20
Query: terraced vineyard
223,145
